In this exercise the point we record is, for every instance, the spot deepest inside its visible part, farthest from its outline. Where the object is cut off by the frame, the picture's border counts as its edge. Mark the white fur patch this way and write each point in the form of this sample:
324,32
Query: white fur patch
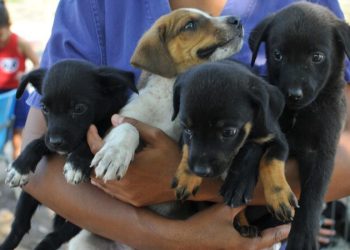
73,176
15,179
153,106
113,160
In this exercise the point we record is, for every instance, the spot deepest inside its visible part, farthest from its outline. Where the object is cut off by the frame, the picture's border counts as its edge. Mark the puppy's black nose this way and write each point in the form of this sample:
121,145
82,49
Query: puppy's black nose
235,21
295,94
56,141
203,171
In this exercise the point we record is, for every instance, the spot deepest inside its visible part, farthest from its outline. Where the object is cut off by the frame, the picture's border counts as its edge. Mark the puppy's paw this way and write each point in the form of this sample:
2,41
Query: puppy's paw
112,162
14,178
114,158
72,174
185,184
281,202
241,224
238,191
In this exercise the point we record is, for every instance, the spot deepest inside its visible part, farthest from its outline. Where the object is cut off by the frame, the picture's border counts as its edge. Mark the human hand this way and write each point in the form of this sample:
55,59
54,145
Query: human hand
325,234
213,229
149,176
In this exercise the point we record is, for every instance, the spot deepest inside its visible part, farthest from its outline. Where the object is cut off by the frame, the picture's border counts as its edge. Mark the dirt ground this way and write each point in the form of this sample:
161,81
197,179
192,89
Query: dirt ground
32,19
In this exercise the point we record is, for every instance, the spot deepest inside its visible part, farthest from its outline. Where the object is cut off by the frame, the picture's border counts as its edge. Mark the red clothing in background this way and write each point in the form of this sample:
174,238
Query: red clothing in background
12,61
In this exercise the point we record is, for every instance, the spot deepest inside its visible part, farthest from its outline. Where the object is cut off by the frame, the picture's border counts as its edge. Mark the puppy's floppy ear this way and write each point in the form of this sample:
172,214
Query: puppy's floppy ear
259,35
151,53
269,100
34,77
114,79
343,36
176,96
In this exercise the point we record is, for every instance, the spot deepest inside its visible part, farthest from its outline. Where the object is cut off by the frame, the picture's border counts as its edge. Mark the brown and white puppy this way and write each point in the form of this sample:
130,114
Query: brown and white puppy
175,43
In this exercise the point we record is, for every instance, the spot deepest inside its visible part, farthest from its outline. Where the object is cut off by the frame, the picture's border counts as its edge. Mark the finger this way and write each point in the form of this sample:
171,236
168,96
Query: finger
272,236
148,133
328,222
323,240
327,232
94,140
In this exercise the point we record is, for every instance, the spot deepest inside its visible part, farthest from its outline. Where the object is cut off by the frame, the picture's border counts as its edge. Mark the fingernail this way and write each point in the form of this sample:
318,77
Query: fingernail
117,119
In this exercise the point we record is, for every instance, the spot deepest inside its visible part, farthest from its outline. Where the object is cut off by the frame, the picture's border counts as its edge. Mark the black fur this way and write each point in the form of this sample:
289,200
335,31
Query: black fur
75,94
305,49
214,102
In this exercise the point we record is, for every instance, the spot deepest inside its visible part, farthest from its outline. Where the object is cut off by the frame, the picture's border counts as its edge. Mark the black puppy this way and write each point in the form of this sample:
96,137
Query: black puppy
222,107
305,50
75,94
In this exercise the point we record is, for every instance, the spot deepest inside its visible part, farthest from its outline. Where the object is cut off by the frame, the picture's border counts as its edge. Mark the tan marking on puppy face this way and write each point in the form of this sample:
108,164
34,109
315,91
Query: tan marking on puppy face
265,139
247,128
184,38
278,194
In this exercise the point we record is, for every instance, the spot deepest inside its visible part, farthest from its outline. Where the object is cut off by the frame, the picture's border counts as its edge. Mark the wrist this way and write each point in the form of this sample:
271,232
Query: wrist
157,232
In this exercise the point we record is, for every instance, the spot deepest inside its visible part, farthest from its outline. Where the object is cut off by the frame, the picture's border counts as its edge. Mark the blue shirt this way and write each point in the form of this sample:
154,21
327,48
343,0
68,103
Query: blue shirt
105,32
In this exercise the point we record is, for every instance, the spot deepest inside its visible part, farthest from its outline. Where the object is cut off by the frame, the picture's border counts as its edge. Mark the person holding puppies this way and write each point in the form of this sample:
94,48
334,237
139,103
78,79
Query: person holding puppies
78,33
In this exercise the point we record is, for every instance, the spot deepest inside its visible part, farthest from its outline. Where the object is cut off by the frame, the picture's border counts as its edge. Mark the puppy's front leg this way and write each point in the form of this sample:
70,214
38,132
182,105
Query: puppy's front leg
77,167
18,171
185,182
242,176
113,160
278,194
315,171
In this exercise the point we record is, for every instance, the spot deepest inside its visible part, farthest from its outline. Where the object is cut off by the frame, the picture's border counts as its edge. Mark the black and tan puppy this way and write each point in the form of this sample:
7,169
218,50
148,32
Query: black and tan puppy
305,49
75,94
222,106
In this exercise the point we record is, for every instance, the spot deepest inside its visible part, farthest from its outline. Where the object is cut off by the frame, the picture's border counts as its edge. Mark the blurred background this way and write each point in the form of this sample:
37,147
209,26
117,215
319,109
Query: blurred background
32,20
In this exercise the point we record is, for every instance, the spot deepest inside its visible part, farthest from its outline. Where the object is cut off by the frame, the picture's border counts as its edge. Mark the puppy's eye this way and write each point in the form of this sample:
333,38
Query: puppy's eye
318,57
188,133
79,109
191,25
44,109
229,132
277,56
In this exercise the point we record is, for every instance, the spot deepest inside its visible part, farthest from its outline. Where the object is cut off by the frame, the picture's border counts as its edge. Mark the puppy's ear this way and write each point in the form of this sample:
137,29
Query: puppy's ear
176,96
115,79
151,53
343,36
270,102
259,35
34,77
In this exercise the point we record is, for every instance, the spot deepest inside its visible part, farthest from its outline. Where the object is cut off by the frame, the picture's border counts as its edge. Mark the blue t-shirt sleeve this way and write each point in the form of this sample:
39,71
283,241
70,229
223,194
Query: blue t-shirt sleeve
76,33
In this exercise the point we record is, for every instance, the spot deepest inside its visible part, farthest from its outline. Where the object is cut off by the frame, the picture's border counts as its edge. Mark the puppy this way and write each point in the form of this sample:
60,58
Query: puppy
222,106
75,94
175,43
305,49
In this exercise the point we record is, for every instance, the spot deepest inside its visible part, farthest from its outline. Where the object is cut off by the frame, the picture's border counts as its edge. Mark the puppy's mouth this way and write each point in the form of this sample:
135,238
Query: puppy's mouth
207,52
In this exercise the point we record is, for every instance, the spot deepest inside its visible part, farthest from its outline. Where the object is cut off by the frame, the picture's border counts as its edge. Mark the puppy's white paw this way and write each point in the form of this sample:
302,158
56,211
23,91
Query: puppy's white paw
113,160
73,176
15,179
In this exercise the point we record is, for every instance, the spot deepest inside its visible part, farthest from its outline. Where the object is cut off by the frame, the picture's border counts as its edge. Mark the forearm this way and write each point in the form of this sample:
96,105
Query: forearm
90,208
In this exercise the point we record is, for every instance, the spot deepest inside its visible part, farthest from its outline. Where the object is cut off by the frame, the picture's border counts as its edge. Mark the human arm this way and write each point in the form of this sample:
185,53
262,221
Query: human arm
119,221
28,52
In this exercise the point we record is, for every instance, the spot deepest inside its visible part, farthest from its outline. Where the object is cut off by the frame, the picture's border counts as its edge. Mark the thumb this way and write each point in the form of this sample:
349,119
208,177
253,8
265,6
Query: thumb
148,133
273,235
94,140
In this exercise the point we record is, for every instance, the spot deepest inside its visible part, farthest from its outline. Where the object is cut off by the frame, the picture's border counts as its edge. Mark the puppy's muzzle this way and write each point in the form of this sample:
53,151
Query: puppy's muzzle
202,171
235,22
295,95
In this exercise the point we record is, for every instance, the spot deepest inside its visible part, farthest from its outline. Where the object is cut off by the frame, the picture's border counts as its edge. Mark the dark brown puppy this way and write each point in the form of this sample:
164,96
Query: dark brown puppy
305,49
